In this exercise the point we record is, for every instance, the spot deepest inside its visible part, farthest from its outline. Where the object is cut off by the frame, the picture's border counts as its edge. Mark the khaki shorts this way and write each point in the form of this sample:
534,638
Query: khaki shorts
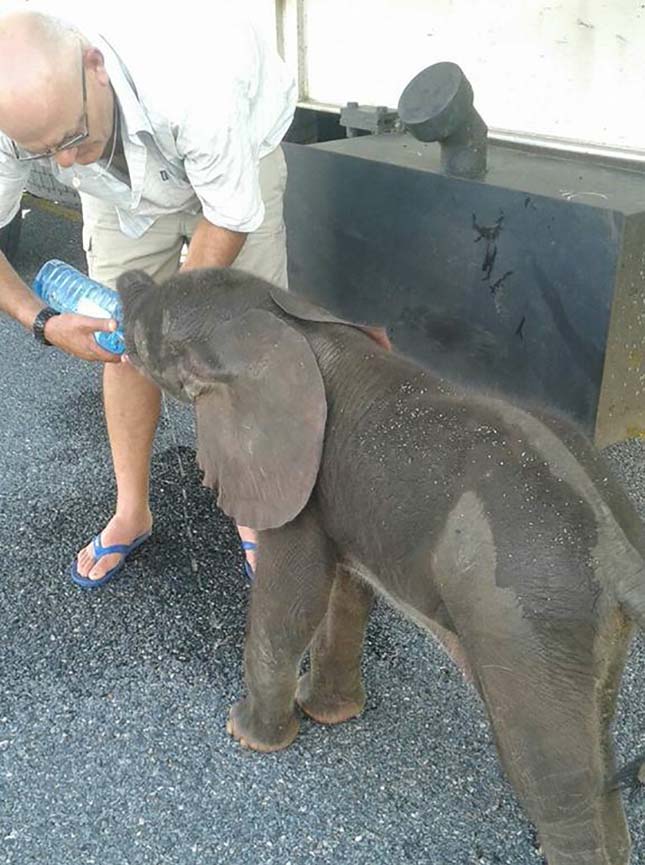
109,252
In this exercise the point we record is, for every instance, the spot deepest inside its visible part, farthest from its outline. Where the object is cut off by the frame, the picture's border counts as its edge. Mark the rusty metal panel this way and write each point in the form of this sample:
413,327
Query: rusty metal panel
621,407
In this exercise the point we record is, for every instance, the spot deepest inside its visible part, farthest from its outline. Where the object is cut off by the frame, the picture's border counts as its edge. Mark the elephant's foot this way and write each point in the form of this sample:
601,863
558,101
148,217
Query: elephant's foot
254,733
328,708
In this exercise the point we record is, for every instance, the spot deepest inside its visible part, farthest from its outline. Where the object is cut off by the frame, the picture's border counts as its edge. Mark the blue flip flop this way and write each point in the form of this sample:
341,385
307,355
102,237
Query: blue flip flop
124,550
249,545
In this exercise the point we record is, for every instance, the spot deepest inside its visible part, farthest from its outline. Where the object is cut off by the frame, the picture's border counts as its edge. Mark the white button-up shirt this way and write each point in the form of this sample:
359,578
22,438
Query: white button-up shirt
201,101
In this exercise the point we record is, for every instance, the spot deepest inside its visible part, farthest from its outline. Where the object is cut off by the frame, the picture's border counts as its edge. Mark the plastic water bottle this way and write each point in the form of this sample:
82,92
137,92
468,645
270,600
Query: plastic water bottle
66,289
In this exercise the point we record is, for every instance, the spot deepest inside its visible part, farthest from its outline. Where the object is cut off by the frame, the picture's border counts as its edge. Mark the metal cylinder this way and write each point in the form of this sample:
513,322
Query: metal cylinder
437,105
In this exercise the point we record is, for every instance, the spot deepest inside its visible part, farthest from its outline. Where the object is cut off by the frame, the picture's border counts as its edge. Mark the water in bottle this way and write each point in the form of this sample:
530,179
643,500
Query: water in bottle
66,289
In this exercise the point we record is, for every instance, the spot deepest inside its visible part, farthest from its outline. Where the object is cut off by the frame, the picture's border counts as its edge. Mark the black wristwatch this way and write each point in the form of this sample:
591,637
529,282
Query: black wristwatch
38,327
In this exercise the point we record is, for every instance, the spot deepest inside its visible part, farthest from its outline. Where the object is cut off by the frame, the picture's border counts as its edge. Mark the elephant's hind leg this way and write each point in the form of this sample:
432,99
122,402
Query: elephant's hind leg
551,724
332,691
547,645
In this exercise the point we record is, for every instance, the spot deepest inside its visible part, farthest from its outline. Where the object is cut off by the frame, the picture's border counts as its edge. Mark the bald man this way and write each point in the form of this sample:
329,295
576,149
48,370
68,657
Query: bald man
170,130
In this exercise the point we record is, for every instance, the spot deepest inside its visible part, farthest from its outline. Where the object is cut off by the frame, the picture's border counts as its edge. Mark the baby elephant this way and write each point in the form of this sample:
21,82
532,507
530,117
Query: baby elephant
499,530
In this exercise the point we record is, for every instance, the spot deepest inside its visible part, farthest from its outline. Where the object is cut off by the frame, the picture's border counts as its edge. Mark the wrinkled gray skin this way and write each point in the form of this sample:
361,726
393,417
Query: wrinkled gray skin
500,531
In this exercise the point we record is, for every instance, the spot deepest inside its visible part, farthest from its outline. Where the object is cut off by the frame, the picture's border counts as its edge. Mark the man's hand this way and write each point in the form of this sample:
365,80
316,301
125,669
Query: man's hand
71,333
212,246
75,335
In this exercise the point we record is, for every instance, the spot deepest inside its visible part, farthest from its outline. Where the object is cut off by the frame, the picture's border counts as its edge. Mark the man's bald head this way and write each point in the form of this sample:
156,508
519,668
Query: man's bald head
45,65
40,74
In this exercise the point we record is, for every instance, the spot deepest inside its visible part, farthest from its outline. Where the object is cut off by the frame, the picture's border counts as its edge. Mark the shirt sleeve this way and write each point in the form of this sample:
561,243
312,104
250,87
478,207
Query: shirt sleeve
221,161
219,138
13,177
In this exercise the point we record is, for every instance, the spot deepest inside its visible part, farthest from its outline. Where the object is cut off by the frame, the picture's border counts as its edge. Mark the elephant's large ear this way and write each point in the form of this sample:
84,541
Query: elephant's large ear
261,413
300,307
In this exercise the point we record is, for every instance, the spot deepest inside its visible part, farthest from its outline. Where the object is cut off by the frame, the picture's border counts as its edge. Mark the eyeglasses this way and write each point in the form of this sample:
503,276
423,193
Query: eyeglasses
73,141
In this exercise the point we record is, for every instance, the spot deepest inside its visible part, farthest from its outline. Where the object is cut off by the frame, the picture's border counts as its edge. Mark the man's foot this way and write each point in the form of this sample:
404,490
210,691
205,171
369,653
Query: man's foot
117,531
249,548
249,540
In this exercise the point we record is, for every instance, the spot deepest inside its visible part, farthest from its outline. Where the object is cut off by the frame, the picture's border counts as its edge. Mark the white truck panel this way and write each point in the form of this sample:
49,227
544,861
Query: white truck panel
570,70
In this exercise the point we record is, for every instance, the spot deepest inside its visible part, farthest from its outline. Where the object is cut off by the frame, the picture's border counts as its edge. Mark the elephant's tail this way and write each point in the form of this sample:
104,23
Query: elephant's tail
631,777
632,597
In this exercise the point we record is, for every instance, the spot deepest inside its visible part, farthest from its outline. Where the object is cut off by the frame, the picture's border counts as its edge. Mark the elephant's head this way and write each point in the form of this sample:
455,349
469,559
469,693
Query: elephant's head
220,337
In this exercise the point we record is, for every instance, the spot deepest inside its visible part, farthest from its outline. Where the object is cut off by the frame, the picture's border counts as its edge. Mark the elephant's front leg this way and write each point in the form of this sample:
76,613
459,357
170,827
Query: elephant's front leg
332,691
294,575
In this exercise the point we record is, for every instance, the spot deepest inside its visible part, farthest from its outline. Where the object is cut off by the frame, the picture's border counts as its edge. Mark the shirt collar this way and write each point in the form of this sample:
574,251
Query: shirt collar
132,112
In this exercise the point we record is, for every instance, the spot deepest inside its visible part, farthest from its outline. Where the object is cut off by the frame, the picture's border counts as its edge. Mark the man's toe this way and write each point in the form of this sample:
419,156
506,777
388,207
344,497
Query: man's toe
104,564
84,561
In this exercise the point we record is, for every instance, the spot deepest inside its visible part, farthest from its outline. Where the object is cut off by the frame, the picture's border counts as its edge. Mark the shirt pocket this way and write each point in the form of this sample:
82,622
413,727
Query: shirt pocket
163,143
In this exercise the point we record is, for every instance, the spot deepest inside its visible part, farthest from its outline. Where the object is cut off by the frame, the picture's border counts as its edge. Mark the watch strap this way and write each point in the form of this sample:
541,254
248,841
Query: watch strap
38,326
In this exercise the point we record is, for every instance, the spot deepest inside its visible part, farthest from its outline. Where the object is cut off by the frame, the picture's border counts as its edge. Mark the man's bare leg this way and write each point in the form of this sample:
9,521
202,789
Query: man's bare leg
132,405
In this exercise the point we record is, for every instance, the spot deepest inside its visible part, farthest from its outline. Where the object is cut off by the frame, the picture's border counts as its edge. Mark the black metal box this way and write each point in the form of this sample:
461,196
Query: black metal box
529,282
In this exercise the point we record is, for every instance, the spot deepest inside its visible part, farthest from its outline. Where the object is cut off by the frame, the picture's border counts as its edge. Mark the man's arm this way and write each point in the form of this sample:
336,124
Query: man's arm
71,333
15,298
212,246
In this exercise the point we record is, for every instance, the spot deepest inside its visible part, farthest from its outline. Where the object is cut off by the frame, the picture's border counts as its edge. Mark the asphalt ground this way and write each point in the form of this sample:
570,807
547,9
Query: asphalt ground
113,703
